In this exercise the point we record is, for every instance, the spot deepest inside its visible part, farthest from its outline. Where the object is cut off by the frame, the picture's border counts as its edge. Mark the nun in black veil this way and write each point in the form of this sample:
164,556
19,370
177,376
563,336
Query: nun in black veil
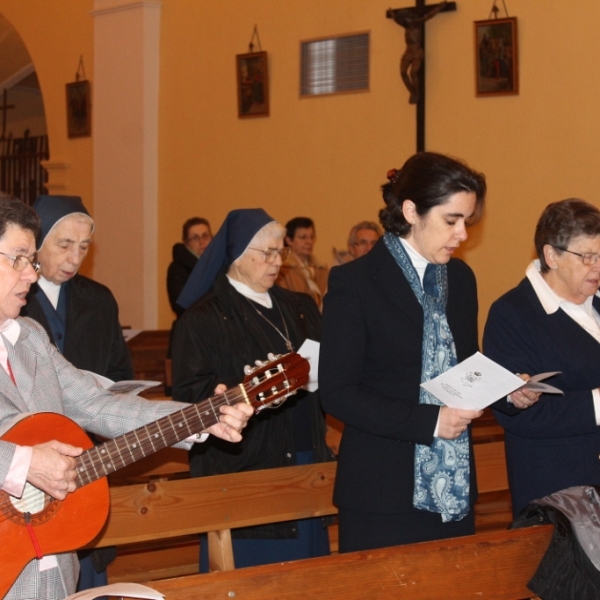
236,315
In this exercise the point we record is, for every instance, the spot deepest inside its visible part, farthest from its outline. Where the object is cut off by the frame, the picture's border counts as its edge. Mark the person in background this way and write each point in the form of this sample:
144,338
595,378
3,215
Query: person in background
300,272
195,238
363,237
361,240
235,315
403,314
80,316
36,378
551,322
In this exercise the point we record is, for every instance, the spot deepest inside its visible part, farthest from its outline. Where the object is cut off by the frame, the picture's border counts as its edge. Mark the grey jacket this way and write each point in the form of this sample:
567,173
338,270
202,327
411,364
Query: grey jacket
47,382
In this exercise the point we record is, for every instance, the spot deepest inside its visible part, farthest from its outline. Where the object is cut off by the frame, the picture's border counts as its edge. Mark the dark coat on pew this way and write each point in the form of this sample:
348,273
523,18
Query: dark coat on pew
555,444
213,341
370,373
94,339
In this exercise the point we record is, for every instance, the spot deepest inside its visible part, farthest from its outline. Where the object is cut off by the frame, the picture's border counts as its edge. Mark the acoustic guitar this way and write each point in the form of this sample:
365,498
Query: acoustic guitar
37,524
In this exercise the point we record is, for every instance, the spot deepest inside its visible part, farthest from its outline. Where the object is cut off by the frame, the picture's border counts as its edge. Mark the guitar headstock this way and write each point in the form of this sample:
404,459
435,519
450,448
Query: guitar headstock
272,381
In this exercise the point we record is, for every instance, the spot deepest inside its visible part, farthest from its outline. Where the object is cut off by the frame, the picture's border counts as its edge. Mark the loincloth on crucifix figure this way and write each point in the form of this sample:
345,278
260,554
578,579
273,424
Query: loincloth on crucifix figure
412,59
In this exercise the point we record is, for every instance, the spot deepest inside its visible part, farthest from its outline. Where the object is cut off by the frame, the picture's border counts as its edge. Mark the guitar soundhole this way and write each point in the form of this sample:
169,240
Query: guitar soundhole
38,504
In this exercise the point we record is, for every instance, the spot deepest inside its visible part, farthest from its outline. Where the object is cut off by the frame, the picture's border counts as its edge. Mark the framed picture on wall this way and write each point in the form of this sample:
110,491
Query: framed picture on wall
496,57
252,84
79,115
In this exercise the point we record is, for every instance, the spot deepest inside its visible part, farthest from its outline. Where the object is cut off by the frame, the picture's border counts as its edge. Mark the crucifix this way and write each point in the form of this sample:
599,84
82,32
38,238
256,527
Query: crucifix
412,63
5,107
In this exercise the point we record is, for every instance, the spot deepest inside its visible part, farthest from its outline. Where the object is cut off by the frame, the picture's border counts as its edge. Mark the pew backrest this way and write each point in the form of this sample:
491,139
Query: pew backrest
491,566
215,505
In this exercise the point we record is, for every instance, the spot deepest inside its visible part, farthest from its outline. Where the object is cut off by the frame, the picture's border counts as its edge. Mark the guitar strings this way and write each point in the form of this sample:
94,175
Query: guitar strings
232,396
229,397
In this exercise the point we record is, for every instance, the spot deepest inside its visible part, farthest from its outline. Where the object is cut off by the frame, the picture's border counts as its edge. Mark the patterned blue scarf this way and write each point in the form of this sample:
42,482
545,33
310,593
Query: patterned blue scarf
442,469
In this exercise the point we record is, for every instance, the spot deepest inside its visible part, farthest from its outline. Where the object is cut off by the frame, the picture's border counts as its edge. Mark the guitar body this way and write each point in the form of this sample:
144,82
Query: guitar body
60,526
63,526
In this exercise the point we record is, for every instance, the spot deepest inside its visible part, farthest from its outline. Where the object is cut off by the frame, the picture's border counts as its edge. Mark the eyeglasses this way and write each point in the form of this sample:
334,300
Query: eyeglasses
203,237
20,262
588,259
365,243
270,254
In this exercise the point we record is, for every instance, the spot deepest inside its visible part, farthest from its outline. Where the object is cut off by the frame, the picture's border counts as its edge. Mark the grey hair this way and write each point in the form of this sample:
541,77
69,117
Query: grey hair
363,225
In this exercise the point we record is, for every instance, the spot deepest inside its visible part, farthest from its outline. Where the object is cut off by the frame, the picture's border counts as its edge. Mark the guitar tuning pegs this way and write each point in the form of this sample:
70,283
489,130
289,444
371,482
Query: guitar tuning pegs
248,369
260,363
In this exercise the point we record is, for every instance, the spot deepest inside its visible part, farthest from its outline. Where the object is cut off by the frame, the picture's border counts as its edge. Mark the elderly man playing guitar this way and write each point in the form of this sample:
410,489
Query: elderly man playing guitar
41,464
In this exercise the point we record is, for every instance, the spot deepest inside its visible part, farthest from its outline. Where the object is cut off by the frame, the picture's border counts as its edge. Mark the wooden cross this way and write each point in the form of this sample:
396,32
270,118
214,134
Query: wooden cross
412,63
5,107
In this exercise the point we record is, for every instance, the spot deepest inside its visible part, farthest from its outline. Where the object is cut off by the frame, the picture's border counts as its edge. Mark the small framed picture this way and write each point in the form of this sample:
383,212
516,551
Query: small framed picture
79,115
252,84
496,57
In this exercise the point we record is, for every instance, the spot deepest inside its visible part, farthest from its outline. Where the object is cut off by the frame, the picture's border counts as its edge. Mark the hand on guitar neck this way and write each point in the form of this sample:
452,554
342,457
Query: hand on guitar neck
52,467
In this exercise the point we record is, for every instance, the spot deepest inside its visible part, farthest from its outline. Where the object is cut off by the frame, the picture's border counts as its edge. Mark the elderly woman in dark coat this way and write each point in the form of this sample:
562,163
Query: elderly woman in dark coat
236,316
551,322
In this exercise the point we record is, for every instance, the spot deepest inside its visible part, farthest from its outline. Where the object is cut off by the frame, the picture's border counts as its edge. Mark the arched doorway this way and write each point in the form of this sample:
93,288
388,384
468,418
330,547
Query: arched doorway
23,132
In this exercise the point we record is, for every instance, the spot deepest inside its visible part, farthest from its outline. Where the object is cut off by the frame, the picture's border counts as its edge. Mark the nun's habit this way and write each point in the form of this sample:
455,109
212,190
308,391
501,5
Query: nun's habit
224,328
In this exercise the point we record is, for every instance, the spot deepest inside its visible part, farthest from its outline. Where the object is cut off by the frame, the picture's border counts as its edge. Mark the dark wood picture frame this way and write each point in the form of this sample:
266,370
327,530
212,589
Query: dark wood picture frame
496,57
79,113
252,74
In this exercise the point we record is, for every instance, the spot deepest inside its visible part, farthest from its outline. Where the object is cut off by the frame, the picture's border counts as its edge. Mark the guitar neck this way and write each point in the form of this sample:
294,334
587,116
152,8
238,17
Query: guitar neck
117,453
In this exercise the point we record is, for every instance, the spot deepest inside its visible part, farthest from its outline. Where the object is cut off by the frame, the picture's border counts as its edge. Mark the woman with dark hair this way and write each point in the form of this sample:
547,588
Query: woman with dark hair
196,236
400,315
551,322
300,272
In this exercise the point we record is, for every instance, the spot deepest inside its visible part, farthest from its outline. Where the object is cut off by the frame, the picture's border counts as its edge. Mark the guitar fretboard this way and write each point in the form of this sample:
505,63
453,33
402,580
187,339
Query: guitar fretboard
115,454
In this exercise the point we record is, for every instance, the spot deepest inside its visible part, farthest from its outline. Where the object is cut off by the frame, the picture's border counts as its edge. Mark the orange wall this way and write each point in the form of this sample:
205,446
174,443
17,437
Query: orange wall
326,157
56,33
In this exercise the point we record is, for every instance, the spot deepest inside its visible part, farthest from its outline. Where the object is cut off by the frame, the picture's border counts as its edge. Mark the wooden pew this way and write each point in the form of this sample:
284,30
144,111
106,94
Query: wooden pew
171,510
148,353
490,566
163,510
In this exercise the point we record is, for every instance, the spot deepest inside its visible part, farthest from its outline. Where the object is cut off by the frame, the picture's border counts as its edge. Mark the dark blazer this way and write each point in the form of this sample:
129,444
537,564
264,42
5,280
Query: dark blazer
94,339
555,444
370,372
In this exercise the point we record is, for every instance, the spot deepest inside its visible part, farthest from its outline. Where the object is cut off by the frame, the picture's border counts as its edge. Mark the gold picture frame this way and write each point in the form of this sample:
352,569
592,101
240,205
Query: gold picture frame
252,73
496,57
79,113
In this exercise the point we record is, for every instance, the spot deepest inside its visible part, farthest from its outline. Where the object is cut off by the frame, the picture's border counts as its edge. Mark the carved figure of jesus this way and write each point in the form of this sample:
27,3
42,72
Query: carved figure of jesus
412,59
